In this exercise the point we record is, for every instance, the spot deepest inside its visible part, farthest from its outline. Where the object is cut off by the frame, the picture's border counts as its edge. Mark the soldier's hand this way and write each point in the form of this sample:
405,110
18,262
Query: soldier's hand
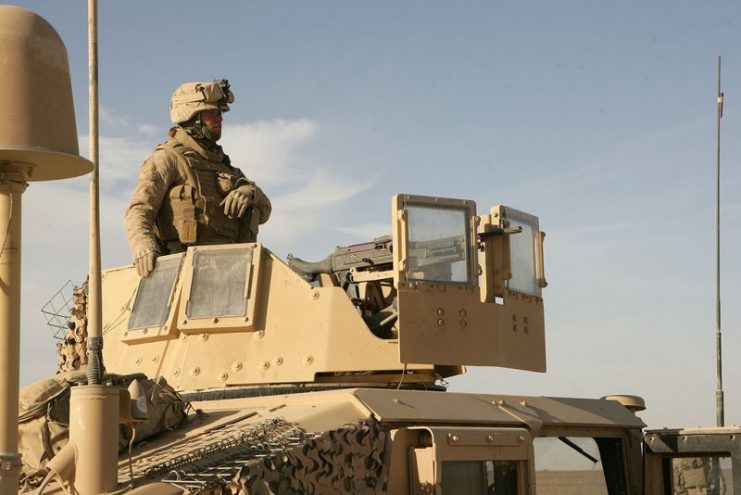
145,263
236,202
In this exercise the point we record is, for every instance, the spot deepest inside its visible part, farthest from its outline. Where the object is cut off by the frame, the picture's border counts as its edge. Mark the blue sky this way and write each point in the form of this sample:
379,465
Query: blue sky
598,117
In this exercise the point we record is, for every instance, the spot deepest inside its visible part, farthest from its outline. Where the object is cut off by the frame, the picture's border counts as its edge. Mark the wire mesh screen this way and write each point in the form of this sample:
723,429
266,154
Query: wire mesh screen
58,310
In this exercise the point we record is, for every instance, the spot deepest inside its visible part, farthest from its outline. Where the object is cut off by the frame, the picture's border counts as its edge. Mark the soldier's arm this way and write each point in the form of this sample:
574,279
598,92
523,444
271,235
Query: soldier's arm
155,178
260,201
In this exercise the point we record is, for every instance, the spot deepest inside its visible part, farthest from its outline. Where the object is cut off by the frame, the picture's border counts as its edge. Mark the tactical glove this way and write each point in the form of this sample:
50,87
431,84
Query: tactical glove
237,201
144,261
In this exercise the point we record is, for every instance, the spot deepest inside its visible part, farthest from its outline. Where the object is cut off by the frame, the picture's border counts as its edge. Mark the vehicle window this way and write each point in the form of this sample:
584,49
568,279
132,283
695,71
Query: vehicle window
219,281
711,475
568,466
437,245
152,304
479,477
522,253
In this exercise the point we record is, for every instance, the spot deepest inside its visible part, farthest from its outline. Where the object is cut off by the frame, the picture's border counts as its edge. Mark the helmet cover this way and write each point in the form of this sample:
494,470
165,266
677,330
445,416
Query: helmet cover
193,97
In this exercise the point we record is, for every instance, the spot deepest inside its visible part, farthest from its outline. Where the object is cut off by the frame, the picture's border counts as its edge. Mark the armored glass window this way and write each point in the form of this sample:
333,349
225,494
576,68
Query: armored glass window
573,461
152,304
479,477
437,244
219,283
523,256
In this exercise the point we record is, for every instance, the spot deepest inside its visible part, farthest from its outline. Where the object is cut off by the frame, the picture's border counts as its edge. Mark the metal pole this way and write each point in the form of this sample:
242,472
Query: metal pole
719,408
94,311
12,184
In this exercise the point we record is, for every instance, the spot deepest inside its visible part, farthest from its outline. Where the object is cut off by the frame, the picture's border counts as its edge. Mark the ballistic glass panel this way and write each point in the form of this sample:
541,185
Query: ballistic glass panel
702,475
568,462
437,244
152,304
219,282
479,477
522,253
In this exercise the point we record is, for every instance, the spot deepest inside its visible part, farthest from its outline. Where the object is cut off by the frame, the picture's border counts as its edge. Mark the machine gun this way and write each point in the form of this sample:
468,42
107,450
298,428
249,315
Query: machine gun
374,255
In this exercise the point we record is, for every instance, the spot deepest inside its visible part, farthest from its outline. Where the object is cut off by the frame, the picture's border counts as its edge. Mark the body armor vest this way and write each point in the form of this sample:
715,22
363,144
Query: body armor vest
191,213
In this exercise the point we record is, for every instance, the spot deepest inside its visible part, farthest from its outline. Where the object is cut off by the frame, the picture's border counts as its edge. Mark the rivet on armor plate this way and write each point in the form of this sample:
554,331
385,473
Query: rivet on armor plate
440,312
521,439
176,372
223,376
440,322
215,320
145,331
195,371
237,366
264,365
453,438
463,323
315,294
185,337
138,360
489,438
462,313
278,361
204,337
185,322
155,358
308,359
260,334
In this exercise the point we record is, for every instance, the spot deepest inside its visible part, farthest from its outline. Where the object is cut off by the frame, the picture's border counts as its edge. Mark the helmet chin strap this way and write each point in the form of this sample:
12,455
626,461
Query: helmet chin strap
200,133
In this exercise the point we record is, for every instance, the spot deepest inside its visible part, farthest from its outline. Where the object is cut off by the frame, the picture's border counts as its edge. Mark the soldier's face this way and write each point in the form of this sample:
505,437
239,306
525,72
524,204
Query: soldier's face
212,120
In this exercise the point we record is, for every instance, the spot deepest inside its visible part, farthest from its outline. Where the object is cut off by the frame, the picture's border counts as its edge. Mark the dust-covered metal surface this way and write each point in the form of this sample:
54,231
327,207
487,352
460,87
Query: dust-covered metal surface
274,454
445,407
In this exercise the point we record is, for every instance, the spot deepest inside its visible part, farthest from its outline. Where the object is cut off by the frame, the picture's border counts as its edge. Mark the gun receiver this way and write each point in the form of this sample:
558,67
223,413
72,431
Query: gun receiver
376,254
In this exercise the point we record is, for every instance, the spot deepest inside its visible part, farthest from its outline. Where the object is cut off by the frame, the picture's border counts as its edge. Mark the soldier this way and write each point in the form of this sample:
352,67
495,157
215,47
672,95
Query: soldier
188,193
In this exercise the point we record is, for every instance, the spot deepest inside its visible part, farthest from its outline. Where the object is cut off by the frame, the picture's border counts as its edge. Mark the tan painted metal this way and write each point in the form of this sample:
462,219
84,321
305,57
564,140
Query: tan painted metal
94,414
38,125
12,184
445,323
38,141
631,402
320,333
94,310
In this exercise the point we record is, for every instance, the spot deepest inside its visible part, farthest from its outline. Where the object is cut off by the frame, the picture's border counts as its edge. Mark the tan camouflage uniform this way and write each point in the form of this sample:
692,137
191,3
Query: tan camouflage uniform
177,199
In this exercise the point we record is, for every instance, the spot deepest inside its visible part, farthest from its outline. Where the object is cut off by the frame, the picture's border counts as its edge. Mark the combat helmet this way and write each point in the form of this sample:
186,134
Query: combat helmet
192,97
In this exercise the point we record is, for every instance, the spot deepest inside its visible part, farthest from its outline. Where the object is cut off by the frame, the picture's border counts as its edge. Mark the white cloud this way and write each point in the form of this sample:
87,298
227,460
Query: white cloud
308,193
265,150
